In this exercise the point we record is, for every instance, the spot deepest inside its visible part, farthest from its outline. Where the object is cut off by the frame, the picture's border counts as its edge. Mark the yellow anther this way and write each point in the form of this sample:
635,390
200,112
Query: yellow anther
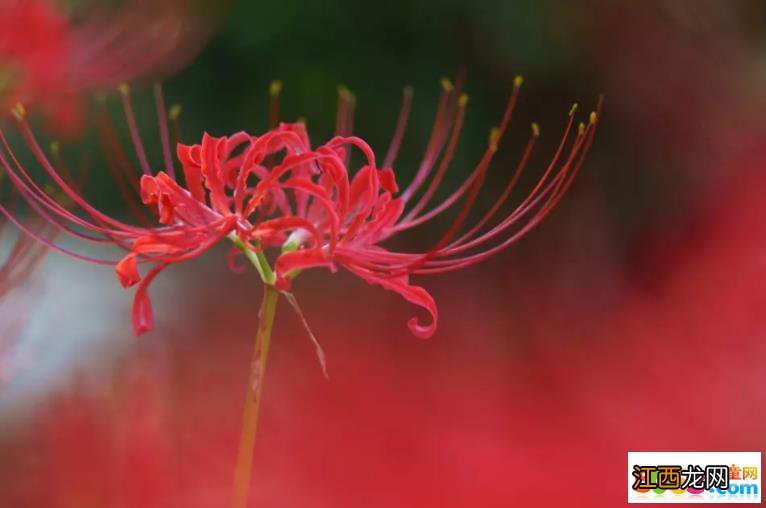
55,147
593,117
494,137
19,111
175,111
124,88
301,120
573,109
535,130
345,94
100,97
275,88
447,85
517,81
463,100
581,129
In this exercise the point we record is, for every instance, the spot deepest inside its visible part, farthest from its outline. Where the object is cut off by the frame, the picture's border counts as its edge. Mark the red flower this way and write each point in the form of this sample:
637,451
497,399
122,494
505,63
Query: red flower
277,192
35,42
47,60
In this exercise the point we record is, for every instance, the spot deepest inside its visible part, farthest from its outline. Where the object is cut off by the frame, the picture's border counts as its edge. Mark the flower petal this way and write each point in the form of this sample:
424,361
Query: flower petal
387,180
127,271
298,260
142,313
413,294
189,156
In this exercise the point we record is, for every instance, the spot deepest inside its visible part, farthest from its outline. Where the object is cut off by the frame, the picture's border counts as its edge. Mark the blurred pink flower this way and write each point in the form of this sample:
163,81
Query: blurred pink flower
48,59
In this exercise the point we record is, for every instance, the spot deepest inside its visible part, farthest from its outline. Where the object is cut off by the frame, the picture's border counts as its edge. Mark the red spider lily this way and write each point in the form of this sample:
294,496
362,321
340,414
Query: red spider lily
46,59
276,192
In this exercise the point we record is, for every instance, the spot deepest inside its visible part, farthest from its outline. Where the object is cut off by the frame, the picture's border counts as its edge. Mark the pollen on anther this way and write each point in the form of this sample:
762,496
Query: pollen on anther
123,88
463,100
19,111
447,85
55,146
175,111
345,93
535,129
494,137
573,109
593,117
517,81
581,129
275,88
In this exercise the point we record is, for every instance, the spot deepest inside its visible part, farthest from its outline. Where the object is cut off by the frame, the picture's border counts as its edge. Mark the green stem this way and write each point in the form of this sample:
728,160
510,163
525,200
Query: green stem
242,472
256,257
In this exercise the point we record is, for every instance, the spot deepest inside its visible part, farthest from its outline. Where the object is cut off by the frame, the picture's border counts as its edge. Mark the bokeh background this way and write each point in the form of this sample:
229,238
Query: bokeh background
631,319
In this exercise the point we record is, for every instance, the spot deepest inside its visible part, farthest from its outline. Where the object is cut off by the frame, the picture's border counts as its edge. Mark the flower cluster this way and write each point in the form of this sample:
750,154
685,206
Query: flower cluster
276,196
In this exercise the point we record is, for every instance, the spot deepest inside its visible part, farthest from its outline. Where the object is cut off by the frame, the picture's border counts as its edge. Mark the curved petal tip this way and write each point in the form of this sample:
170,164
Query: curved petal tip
127,271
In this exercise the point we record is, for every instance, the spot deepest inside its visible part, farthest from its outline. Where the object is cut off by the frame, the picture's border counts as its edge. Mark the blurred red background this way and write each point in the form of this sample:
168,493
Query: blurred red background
594,337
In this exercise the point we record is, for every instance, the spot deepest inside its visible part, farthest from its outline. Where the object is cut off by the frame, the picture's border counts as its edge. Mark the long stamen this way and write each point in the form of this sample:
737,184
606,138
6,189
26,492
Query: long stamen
462,215
133,128
442,123
507,191
27,187
113,149
32,143
540,182
440,172
275,90
585,141
38,198
123,173
540,194
344,118
24,229
162,121
449,201
401,126
554,190
173,114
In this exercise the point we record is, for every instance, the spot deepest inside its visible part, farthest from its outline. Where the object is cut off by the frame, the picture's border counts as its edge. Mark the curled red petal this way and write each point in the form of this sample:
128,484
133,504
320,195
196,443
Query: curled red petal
189,156
413,294
166,208
388,180
149,190
142,313
127,271
298,260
